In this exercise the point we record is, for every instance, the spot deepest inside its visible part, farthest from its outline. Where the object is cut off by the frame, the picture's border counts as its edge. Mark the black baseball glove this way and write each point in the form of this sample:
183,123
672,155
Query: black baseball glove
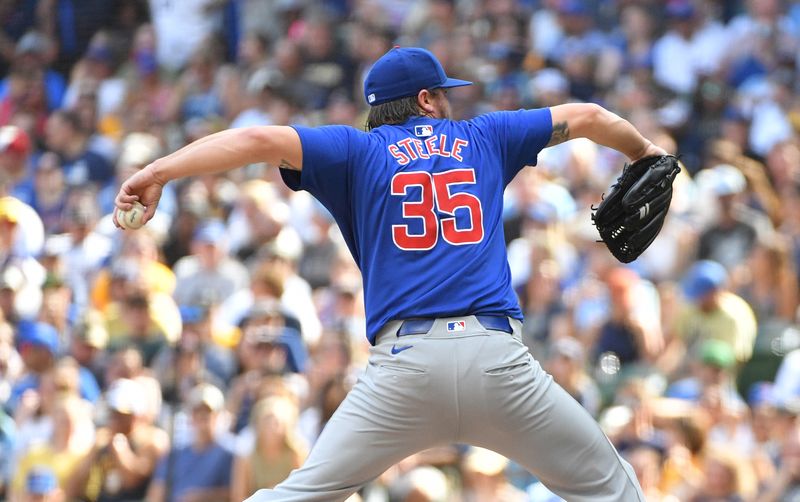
632,215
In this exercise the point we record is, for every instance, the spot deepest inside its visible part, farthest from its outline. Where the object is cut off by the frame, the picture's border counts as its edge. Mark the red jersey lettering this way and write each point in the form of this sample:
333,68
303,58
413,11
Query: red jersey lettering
458,144
420,150
430,144
399,156
406,143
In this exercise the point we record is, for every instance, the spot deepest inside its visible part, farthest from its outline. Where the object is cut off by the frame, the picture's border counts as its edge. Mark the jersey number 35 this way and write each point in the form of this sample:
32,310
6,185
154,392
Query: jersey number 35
435,195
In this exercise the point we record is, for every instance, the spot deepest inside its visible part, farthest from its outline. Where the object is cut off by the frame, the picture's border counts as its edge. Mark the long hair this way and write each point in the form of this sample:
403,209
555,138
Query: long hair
397,111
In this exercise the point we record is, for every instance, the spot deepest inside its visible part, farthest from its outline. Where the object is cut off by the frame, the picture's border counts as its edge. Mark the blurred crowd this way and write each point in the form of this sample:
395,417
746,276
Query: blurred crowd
197,359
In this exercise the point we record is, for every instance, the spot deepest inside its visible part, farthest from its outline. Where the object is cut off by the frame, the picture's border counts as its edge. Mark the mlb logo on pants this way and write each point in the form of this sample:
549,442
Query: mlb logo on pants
454,326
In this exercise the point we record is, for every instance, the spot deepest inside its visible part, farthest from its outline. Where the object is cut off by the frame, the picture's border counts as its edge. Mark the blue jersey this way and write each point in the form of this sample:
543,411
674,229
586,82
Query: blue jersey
420,208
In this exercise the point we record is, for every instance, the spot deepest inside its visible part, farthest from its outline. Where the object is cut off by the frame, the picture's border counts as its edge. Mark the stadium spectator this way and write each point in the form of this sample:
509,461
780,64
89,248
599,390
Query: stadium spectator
68,444
201,470
82,248
11,365
138,328
566,363
66,137
50,193
731,237
277,450
786,484
122,460
21,275
633,332
713,314
88,338
208,270
38,345
484,480
694,42
15,150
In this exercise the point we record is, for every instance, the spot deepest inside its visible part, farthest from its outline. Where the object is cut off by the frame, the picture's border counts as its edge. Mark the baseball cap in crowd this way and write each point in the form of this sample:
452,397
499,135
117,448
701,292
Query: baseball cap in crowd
427,482
126,396
100,53
91,331
32,42
139,149
403,72
485,462
11,209
211,231
11,278
40,480
721,180
680,9
704,277
263,309
14,139
718,354
761,393
38,334
208,395
193,314
549,80
573,7
569,348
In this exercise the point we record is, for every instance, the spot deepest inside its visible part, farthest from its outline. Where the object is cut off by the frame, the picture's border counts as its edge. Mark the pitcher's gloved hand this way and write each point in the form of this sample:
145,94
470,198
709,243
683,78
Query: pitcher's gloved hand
631,216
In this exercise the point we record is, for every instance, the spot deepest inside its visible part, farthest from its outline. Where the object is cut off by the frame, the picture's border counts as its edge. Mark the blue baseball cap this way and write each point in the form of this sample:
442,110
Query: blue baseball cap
403,72
573,7
704,277
40,481
193,314
39,334
680,9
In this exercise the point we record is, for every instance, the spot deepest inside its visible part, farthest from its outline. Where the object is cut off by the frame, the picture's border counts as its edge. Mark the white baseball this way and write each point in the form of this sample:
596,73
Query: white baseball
133,218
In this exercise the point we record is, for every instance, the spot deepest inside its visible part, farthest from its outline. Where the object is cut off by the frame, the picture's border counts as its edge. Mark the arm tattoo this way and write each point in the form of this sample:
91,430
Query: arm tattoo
560,134
285,164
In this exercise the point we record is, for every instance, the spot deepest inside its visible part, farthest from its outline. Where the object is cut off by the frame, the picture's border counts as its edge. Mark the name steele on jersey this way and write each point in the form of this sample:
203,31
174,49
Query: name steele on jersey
408,149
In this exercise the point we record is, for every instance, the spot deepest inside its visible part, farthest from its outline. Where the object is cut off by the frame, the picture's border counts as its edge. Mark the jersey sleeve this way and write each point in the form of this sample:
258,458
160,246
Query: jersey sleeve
522,135
326,167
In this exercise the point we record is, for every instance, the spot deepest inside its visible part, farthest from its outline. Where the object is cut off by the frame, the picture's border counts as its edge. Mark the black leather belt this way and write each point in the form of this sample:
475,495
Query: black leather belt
422,326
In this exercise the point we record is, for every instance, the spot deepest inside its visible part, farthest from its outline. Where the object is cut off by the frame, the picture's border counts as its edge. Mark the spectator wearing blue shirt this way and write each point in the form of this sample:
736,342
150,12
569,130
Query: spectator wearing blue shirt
200,471
33,51
88,338
38,346
65,136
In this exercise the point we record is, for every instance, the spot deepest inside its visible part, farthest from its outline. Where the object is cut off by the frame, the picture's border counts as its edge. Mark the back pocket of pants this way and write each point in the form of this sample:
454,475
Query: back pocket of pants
509,369
394,369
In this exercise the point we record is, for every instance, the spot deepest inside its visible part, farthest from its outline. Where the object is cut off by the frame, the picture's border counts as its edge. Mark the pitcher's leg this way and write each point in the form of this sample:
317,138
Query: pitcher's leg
530,419
378,424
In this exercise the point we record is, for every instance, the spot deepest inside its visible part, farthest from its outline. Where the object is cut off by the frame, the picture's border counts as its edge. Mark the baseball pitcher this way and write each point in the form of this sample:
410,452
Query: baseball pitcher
418,199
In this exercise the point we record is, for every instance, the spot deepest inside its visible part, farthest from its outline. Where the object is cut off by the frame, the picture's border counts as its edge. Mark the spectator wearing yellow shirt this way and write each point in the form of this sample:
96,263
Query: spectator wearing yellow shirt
713,313
137,315
62,453
139,251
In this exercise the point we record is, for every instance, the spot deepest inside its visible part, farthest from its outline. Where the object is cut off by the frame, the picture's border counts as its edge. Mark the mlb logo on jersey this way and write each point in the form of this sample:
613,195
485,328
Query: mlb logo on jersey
454,326
423,131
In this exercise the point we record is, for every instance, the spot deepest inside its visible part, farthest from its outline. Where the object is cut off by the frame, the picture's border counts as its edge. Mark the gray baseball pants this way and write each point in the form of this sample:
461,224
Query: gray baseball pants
476,386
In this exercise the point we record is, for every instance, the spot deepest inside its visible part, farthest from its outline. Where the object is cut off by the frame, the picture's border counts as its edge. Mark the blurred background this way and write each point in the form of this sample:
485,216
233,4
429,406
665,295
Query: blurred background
198,359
